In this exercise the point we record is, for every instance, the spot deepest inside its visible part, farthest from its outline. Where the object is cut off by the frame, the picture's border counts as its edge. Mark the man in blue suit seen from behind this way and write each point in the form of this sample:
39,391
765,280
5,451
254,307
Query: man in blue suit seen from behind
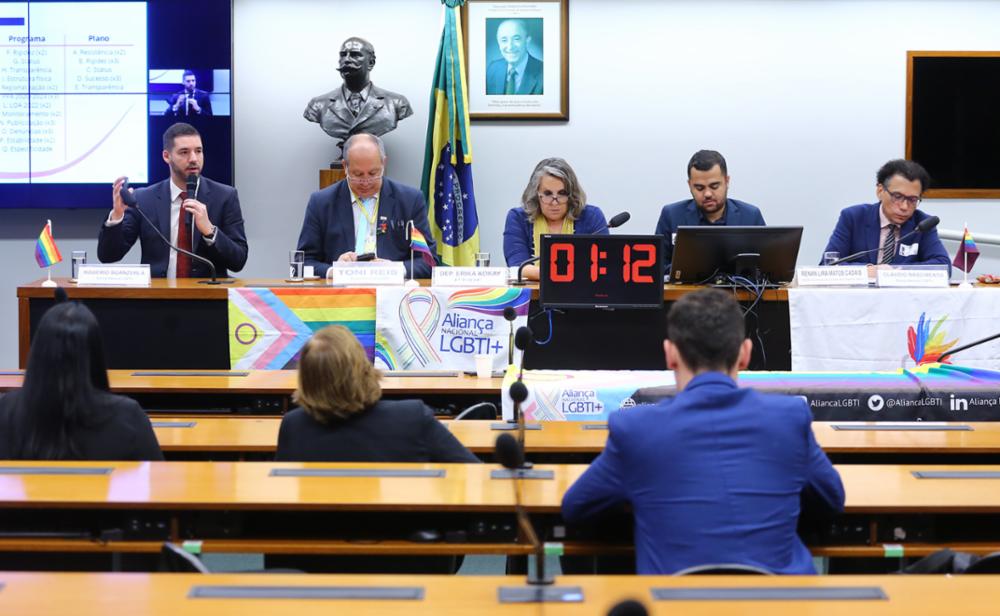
208,223
884,231
365,215
708,180
718,474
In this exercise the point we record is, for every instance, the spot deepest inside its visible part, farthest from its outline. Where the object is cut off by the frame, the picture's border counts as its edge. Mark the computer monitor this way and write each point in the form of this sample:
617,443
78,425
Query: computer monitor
710,254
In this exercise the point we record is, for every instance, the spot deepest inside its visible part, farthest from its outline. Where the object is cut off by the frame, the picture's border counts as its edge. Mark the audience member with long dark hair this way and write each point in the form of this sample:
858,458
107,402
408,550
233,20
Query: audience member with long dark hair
64,410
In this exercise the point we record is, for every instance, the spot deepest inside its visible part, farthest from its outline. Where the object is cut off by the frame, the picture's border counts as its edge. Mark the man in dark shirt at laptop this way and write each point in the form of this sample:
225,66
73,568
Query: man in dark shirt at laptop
708,179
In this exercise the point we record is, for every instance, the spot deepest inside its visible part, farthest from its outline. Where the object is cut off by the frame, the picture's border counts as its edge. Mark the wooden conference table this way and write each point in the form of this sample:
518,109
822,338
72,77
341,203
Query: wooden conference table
563,441
140,594
186,322
375,509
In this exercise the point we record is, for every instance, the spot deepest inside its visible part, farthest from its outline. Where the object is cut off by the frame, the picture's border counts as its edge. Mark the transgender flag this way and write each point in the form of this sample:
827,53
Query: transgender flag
46,251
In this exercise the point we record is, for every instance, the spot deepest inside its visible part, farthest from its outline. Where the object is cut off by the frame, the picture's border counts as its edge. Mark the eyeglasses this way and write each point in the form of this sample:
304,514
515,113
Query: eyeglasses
365,180
548,197
900,197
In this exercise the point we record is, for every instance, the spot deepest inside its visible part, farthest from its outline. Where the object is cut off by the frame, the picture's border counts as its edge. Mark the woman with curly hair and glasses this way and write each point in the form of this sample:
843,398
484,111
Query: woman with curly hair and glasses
553,202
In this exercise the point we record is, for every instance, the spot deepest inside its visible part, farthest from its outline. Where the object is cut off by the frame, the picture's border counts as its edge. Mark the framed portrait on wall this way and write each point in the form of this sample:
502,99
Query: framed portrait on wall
517,59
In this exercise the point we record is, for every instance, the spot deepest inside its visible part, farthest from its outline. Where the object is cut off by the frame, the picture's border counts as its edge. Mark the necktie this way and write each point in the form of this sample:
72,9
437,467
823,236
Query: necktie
888,246
511,83
354,102
183,242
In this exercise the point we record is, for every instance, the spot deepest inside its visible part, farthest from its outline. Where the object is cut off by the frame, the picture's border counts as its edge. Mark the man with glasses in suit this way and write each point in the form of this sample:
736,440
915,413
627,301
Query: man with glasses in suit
883,228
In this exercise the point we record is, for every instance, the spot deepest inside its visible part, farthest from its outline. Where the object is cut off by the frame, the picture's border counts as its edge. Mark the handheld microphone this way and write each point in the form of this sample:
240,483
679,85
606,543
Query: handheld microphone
510,455
130,200
509,314
629,607
616,221
923,226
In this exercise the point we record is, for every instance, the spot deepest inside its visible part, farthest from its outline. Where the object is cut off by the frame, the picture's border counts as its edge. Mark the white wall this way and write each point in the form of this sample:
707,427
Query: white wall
805,99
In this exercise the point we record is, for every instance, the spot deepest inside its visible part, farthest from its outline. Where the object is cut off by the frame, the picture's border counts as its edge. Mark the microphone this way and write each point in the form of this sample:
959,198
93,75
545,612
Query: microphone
510,455
520,282
923,226
943,358
616,221
518,391
130,200
629,607
509,314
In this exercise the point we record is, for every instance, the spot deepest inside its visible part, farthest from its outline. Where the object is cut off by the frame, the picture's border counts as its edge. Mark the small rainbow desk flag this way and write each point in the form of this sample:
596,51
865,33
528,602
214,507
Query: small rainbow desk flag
967,253
419,244
46,251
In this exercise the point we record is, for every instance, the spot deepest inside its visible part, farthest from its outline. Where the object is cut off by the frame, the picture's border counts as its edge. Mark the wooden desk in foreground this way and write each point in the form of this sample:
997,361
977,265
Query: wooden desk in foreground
561,441
96,594
329,508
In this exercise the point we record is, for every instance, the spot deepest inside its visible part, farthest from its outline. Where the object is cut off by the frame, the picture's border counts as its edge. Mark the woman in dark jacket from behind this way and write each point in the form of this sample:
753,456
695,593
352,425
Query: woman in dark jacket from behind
64,410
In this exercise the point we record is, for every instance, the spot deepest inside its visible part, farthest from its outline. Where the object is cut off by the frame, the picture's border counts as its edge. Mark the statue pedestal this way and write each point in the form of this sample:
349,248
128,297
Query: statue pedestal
332,175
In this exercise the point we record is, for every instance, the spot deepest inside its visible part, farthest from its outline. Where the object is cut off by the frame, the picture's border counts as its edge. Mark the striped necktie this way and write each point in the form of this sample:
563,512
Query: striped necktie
183,241
511,85
888,246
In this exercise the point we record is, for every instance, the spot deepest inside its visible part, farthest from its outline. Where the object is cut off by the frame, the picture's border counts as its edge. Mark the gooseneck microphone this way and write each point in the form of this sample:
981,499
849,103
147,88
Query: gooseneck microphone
128,198
518,390
616,221
510,315
520,282
923,226
510,455
629,607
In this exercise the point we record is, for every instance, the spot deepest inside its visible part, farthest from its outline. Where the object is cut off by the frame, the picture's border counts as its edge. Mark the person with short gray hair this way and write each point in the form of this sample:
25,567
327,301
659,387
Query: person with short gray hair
364,216
553,202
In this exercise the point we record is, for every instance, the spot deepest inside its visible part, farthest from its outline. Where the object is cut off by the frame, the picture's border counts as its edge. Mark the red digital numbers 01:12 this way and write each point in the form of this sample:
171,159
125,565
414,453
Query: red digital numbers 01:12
635,259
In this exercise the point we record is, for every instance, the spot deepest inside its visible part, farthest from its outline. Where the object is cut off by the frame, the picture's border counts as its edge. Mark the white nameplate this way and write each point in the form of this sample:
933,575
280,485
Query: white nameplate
922,277
113,275
469,277
366,274
834,275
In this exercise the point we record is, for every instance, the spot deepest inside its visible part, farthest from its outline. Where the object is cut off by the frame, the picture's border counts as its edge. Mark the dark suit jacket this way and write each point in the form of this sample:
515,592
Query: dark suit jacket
389,431
713,476
686,214
531,83
200,96
116,429
858,229
328,228
519,232
229,252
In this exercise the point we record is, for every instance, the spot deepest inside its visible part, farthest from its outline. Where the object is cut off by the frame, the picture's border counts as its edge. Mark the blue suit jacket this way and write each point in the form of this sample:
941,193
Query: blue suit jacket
328,228
531,83
686,214
229,252
713,476
519,232
858,229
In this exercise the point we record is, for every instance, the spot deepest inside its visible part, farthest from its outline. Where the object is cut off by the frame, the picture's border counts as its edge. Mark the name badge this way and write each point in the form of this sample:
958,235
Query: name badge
469,277
913,277
832,276
909,250
366,274
113,275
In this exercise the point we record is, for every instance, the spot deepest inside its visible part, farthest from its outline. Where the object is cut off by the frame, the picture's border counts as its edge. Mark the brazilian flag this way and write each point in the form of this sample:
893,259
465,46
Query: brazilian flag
447,177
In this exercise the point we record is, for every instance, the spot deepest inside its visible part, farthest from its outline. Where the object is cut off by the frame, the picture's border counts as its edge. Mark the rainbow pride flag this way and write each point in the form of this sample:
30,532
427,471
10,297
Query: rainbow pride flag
967,253
269,327
46,252
418,243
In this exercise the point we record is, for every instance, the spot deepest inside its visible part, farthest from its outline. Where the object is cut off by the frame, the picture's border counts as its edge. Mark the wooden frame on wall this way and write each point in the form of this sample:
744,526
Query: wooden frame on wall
536,33
948,192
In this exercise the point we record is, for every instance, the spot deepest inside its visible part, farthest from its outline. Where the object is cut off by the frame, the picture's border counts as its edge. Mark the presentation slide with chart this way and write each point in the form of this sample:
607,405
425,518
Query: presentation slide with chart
87,90
73,89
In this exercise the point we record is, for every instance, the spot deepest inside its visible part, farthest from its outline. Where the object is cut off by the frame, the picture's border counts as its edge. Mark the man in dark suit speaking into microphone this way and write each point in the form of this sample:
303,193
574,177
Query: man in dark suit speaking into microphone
195,213
190,101
889,232
365,216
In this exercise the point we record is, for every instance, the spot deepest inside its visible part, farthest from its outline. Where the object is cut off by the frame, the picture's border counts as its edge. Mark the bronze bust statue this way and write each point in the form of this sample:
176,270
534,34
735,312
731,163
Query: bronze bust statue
357,106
